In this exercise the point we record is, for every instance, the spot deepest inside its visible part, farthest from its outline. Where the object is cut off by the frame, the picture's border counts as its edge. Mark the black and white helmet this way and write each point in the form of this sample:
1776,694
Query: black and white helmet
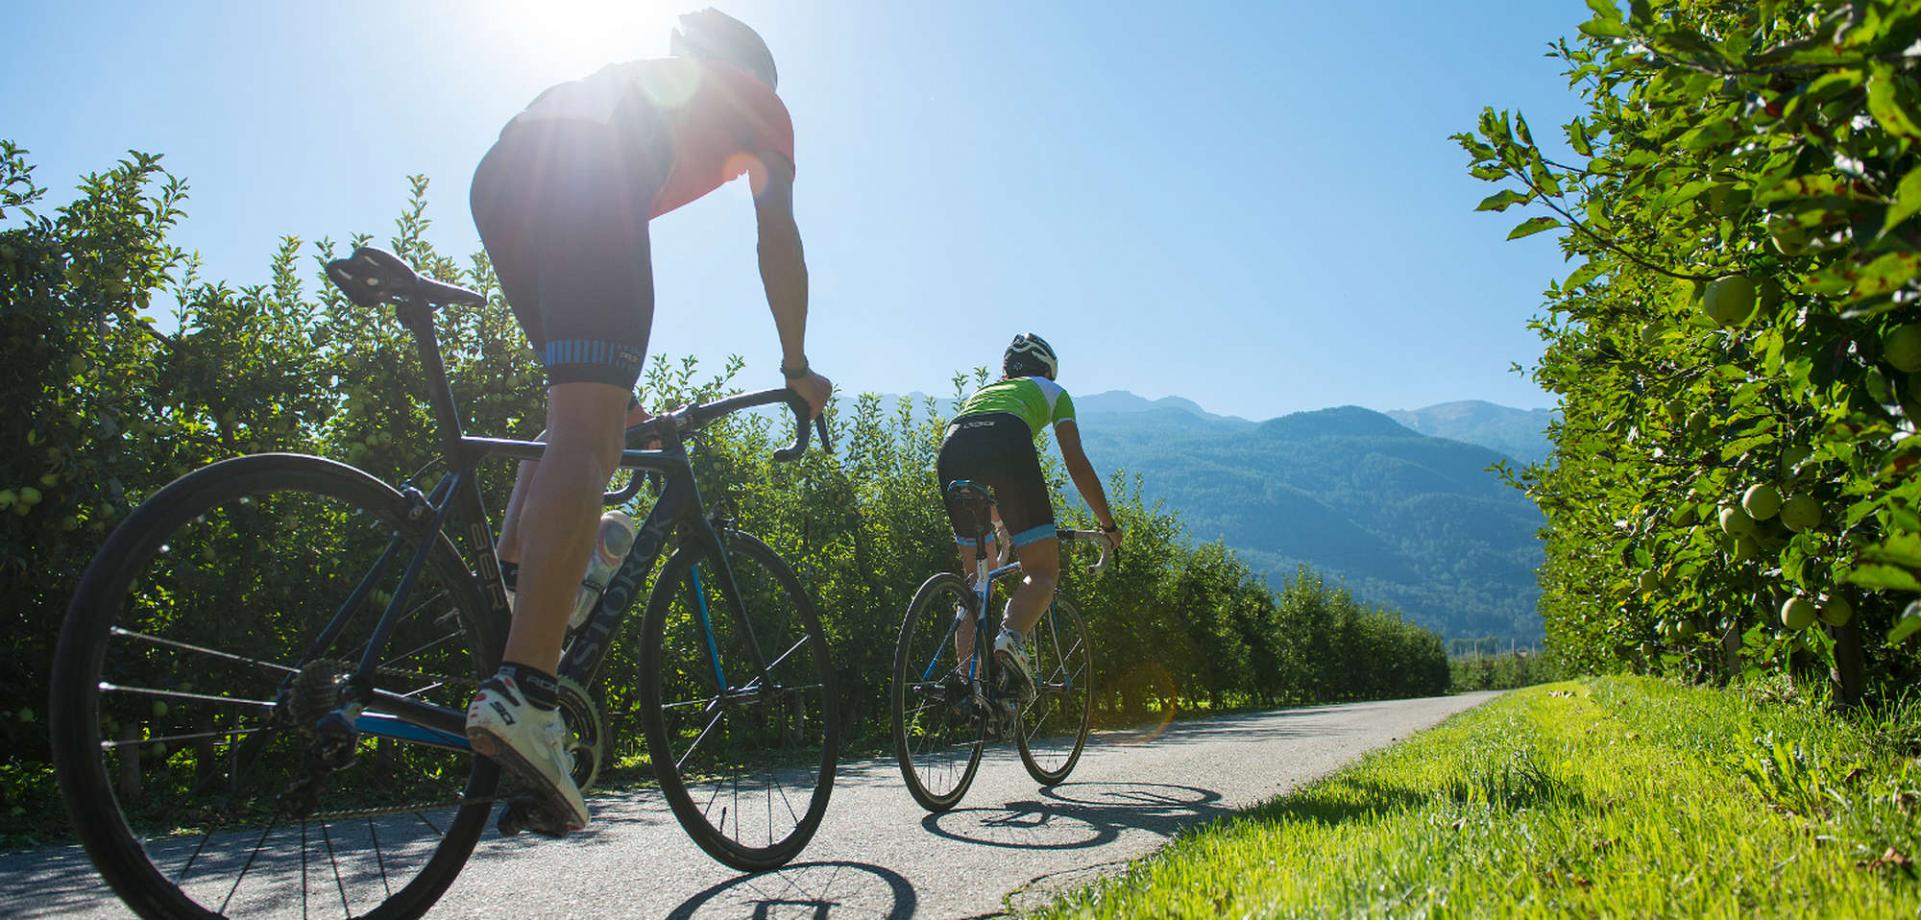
712,34
1030,356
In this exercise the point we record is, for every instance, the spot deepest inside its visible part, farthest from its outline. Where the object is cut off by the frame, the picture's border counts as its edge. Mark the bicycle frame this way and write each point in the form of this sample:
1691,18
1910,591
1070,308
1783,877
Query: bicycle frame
456,500
985,577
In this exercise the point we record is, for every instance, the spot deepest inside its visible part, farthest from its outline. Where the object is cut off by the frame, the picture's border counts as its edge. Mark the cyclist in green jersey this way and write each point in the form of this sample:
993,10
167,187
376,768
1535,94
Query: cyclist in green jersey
991,443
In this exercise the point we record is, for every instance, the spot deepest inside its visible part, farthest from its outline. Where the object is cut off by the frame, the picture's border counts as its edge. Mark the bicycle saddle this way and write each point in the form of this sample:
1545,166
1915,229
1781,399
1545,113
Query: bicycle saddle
373,276
968,495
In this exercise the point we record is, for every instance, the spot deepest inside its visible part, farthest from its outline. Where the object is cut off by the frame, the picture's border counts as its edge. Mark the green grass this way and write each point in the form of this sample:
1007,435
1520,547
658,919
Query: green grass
1611,797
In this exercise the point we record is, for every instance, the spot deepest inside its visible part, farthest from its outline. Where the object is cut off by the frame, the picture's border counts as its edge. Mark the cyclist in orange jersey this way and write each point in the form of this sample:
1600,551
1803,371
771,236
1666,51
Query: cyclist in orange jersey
562,203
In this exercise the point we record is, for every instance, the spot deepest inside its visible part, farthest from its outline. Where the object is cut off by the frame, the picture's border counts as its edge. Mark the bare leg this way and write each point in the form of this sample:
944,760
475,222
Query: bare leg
1041,563
508,545
556,532
964,634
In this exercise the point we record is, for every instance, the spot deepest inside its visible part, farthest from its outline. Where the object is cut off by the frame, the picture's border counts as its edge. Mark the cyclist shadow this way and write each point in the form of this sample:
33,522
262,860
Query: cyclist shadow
817,888
1077,816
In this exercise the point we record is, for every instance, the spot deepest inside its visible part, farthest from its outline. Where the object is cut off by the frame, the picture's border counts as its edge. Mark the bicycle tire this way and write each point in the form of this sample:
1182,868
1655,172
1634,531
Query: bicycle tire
932,605
682,665
1062,678
106,589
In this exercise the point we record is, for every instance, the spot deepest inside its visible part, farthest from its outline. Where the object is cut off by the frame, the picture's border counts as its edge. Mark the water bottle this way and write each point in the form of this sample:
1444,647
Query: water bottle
610,547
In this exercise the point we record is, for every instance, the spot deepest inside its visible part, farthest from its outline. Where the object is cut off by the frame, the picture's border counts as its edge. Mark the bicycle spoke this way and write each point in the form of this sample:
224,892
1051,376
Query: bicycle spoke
187,647
110,745
783,655
327,838
452,636
248,867
681,764
194,856
178,695
686,703
373,833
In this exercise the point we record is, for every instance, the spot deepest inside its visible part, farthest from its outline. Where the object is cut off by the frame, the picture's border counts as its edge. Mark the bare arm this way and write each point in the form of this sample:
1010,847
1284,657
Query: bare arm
783,270
1068,436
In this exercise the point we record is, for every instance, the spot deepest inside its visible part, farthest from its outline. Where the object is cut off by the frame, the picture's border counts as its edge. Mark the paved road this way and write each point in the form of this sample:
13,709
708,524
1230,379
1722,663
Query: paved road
878,854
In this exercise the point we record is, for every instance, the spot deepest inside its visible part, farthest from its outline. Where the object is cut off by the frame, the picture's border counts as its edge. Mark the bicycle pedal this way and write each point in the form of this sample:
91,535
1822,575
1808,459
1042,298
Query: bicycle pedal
526,813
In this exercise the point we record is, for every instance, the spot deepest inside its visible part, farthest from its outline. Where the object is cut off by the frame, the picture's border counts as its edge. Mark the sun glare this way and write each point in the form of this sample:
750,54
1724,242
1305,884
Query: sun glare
585,33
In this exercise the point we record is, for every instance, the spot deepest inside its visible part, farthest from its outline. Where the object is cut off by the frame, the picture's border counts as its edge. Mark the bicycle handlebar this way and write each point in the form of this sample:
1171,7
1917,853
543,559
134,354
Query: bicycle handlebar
688,419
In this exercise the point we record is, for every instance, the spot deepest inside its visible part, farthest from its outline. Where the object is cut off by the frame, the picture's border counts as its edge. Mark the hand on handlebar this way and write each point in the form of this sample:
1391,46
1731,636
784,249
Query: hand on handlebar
1113,537
640,416
815,389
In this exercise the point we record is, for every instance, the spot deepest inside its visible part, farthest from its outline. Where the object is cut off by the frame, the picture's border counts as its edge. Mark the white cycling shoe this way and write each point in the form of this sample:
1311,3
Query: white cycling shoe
529,743
1011,650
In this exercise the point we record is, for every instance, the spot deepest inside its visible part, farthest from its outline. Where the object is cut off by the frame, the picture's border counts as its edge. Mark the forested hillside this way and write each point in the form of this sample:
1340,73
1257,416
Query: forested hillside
1415,522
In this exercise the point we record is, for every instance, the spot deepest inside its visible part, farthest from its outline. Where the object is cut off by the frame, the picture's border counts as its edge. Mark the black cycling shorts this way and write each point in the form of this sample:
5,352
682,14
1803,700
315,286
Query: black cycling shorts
562,208
997,450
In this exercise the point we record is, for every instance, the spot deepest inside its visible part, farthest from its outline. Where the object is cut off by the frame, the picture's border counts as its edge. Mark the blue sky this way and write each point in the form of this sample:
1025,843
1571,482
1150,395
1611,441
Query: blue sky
1252,205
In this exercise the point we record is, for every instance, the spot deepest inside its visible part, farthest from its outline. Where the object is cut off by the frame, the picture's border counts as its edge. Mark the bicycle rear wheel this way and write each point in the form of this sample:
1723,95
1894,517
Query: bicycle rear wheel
938,726
206,638
738,703
1053,728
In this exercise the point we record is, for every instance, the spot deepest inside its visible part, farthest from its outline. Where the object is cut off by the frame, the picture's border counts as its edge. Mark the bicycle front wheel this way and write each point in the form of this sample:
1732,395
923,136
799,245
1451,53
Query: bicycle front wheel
738,703
1053,728
939,727
207,638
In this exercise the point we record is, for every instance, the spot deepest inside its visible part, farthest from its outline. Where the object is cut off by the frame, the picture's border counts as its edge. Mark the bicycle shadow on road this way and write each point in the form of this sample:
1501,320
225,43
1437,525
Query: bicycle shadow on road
1077,816
820,888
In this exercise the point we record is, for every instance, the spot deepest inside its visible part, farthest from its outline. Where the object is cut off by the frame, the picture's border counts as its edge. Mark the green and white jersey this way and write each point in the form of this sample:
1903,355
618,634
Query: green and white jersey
1037,400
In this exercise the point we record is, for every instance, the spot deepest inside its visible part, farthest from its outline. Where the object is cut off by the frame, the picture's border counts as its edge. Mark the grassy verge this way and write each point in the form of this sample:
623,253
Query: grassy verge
1608,797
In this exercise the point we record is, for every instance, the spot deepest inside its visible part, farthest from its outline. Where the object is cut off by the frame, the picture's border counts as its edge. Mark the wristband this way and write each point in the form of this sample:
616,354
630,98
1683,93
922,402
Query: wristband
1110,528
795,373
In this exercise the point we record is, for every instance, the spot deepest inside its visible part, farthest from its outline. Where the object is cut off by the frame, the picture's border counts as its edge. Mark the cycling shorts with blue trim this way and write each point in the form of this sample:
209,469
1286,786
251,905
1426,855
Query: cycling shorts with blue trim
562,206
997,450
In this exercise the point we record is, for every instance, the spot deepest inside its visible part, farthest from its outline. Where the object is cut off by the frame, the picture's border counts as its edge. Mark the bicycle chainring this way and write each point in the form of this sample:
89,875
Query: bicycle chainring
587,735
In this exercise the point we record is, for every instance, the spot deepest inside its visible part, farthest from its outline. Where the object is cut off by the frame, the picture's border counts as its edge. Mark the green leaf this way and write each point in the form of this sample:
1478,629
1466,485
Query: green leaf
1903,550
1891,102
1532,226
1577,138
1907,200
1605,28
1737,448
1502,200
1909,624
1884,578
1588,271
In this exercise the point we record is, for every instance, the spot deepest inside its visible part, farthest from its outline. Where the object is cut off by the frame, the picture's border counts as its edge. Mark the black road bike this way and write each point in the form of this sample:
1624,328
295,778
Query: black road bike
259,694
951,695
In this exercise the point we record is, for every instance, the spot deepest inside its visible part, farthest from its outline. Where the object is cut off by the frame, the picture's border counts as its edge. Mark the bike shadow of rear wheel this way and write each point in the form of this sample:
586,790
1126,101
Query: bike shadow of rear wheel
1075,816
819,889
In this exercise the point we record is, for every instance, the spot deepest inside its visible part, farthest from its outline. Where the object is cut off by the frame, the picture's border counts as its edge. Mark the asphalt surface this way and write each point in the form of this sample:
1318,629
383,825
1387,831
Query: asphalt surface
1009,843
